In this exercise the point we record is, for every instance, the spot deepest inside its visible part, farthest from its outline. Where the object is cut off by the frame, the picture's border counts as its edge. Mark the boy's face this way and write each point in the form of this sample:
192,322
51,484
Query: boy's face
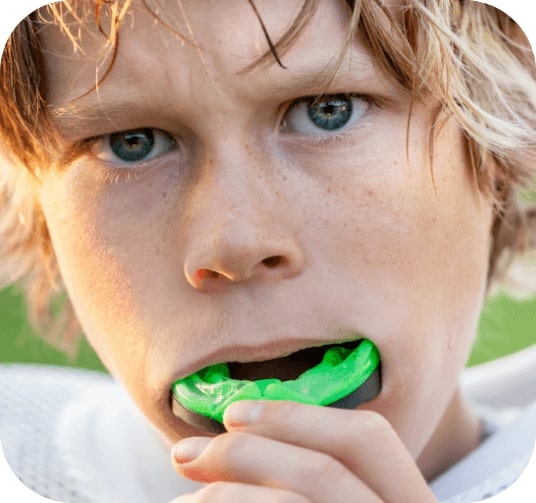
254,224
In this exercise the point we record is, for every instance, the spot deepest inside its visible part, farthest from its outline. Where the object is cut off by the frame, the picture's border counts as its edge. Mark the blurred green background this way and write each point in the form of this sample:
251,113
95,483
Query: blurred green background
19,343
506,326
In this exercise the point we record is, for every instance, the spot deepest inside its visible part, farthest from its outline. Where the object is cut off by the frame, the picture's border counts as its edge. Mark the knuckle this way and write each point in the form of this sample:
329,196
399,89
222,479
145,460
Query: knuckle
320,466
330,471
371,424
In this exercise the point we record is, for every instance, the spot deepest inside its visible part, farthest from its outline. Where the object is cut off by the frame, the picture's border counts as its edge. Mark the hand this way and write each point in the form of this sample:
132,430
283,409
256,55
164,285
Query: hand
295,453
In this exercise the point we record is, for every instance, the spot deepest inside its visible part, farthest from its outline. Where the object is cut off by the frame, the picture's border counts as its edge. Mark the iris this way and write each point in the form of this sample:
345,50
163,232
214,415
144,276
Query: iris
330,114
132,146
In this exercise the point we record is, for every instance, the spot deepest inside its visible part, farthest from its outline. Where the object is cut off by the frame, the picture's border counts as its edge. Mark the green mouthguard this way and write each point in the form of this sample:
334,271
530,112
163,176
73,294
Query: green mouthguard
211,390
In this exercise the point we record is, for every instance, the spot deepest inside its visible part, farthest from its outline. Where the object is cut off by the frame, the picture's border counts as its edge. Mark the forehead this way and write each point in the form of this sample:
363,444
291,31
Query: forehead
223,37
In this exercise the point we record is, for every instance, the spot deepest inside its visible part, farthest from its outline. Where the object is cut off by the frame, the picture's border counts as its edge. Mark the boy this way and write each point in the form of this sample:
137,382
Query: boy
238,182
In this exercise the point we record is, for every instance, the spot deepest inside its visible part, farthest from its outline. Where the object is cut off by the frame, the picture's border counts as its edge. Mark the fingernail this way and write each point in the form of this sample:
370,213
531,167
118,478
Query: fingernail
242,413
188,449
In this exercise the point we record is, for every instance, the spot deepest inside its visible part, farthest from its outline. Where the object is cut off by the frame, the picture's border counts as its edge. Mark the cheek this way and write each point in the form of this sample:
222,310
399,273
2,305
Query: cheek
89,233
107,257
418,252
422,250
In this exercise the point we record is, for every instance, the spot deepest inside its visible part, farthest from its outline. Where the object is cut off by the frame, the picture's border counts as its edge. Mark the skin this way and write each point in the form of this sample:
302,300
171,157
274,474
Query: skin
165,260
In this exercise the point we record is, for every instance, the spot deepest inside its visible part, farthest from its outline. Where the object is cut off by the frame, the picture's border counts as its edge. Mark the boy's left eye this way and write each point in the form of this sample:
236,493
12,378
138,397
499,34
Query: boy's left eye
132,146
324,115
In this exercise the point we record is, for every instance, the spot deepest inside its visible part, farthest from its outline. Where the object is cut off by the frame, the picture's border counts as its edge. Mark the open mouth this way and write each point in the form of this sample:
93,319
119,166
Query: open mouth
342,375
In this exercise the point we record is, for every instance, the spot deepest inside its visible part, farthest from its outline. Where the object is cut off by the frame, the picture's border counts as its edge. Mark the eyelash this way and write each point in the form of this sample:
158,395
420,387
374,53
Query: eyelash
113,176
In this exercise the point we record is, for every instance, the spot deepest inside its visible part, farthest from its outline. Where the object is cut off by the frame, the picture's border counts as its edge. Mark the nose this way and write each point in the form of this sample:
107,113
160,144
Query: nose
235,260
238,231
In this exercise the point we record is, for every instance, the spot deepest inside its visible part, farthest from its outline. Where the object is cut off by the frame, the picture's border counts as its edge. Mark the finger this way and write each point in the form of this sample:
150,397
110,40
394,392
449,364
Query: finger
233,492
255,460
363,441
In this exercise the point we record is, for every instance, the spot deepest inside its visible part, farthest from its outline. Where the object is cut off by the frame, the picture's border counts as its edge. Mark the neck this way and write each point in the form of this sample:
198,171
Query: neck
457,434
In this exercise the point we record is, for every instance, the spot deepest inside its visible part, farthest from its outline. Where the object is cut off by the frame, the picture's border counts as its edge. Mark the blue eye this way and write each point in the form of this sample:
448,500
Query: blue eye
331,114
133,146
325,115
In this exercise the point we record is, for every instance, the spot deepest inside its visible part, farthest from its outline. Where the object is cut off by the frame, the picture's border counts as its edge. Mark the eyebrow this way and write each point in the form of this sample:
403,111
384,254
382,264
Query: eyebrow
96,111
89,107
99,109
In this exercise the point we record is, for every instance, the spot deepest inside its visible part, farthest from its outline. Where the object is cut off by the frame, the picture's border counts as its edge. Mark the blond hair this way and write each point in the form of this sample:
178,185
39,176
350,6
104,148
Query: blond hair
470,56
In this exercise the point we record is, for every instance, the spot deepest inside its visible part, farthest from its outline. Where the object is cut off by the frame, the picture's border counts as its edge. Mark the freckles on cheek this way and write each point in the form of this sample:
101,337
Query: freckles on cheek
97,283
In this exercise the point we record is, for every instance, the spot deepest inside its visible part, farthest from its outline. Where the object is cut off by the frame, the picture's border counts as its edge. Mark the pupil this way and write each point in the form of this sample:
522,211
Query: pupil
132,146
330,114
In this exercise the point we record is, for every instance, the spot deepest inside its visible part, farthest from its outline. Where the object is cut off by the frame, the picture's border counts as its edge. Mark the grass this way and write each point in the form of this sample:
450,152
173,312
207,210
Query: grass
506,326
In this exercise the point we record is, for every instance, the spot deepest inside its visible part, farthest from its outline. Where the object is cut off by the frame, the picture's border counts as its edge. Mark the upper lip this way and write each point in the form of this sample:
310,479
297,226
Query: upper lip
245,354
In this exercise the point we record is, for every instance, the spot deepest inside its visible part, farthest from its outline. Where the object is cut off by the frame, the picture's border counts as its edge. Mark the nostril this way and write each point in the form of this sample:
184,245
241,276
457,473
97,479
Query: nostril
202,274
273,261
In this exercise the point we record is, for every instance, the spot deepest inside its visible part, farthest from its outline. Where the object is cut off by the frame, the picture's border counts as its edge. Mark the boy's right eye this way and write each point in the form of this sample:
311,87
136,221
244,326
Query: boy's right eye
132,146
